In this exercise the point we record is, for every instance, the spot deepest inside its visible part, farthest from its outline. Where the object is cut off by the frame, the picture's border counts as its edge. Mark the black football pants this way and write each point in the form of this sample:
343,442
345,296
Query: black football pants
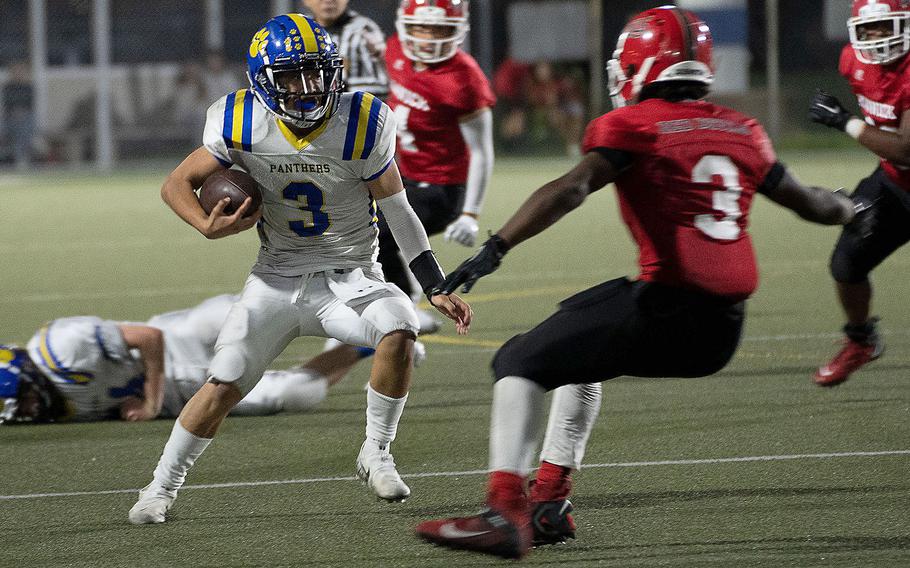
624,327
855,256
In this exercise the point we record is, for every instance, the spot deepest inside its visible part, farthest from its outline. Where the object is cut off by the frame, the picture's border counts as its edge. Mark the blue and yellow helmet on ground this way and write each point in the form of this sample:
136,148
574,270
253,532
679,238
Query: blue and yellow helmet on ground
295,70
25,394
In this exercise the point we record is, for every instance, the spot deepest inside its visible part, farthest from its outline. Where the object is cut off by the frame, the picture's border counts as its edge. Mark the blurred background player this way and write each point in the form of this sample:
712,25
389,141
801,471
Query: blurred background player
686,173
86,368
442,103
360,42
323,167
876,66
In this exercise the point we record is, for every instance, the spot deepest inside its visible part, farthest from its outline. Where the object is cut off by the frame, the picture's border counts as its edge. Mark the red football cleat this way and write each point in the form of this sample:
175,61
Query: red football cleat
851,357
489,532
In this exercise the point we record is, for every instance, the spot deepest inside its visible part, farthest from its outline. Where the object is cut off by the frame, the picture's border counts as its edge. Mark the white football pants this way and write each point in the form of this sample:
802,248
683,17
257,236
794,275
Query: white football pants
348,305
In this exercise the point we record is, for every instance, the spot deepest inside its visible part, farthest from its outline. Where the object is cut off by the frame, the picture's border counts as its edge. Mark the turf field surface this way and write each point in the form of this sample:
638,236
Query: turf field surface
754,466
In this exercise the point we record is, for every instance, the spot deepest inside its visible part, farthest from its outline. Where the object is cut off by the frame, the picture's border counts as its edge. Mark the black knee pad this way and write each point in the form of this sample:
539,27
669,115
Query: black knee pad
503,361
844,266
513,360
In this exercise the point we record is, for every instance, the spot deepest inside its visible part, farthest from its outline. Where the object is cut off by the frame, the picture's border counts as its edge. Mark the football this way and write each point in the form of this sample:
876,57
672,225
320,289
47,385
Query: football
233,184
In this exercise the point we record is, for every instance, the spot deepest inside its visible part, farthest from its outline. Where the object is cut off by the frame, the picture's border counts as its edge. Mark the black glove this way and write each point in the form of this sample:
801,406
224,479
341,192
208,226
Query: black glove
826,109
863,223
484,261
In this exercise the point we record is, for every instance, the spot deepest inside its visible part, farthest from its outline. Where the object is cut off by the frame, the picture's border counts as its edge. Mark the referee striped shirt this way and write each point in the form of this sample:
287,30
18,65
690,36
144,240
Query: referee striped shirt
361,44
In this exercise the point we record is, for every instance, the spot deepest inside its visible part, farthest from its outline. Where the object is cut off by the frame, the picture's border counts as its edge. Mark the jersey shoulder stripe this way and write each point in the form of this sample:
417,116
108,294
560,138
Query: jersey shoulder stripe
49,362
363,121
237,129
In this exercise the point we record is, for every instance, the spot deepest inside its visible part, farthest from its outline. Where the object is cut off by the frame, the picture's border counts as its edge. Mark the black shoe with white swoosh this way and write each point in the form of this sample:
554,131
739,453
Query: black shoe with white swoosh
552,522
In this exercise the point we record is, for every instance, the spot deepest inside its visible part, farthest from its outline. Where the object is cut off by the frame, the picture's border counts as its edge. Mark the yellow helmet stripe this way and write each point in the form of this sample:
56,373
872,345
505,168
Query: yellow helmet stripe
306,32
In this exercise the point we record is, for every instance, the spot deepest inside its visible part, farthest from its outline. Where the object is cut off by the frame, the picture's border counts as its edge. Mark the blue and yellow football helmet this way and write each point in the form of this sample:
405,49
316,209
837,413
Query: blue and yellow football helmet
295,70
26,395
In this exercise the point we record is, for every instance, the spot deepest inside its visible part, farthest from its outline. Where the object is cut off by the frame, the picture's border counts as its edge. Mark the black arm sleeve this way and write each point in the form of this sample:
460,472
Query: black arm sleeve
772,180
619,158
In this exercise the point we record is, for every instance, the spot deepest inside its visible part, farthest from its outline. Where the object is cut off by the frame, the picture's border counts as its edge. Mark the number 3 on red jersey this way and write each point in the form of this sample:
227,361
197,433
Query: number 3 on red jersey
726,201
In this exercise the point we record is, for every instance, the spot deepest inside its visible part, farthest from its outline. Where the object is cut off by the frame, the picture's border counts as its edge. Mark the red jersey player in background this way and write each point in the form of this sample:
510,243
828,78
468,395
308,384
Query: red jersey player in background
442,102
878,70
686,172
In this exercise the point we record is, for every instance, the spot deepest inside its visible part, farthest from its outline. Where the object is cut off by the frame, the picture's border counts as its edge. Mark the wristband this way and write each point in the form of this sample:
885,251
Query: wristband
854,127
427,271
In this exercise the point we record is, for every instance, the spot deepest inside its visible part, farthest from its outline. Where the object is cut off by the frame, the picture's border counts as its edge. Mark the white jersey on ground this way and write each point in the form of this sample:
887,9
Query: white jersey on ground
89,362
317,211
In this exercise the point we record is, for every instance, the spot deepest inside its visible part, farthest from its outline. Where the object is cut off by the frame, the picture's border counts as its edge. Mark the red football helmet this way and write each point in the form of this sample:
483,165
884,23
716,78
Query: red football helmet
880,30
452,14
661,44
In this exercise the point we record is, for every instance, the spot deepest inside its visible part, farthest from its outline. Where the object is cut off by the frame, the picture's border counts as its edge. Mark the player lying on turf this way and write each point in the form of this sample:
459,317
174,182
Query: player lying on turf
86,368
686,172
324,162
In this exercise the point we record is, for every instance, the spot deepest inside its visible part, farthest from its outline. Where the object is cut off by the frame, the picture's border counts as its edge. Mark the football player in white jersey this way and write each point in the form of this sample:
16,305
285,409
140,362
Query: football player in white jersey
324,161
97,369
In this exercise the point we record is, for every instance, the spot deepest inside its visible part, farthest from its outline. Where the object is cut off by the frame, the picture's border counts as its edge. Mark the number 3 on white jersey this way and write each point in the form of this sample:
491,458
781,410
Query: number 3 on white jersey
726,201
405,136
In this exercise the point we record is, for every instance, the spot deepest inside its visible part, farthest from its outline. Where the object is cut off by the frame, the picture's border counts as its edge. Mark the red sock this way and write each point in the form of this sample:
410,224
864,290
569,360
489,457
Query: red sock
553,483
506,493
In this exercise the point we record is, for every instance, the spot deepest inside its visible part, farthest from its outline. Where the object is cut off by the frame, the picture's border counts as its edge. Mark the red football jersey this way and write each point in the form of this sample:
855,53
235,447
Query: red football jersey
883,93
427,106
686,197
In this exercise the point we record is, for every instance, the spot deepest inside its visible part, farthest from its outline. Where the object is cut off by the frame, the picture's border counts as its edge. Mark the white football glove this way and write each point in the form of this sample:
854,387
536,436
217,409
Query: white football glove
462,230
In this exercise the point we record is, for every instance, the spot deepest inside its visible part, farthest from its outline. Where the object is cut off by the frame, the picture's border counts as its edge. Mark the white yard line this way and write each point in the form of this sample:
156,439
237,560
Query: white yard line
710,461
105,295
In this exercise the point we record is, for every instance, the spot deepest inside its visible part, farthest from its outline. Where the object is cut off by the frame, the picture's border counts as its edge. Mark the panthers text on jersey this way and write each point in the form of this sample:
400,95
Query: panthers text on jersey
883,93
427,106
317,212
686,196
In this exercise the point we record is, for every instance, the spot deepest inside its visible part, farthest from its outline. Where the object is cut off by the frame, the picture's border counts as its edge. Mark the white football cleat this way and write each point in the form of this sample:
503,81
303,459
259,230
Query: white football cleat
376,468
153,504
420,353
429,323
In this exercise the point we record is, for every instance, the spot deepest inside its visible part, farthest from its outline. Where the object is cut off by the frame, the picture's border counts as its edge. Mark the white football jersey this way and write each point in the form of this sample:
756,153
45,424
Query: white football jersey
89,362
317,211
189,344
